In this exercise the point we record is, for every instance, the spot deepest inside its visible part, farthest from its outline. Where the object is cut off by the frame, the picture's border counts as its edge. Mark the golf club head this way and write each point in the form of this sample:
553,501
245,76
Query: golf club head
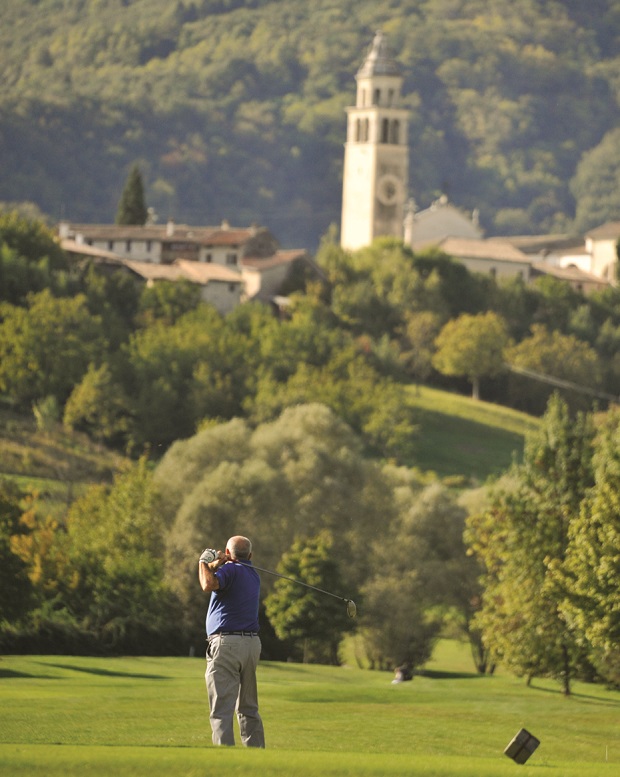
351,608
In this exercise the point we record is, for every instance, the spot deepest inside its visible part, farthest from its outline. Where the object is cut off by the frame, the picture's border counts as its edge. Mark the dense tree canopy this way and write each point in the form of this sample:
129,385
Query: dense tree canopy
227,106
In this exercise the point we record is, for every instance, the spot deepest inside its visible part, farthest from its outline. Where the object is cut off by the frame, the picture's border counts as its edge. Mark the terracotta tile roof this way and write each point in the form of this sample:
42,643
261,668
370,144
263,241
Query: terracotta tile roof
155,272
196,272
206,236
608,231
203,272
537,244
569,273
279,258
73,247
471,248
227,237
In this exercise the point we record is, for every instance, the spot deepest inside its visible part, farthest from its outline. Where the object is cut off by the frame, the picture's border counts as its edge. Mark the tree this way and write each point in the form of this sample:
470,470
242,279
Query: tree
372,405
15,585
592,568
132,207
46,349
427,578
556,356
31,239
97,406
315,622
596,182
418,343
284,481
178,374
522,541
30,258
472,346
167,301
115,541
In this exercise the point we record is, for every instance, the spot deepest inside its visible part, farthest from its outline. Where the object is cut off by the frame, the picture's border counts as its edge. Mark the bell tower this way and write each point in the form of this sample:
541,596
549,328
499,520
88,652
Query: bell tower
376,154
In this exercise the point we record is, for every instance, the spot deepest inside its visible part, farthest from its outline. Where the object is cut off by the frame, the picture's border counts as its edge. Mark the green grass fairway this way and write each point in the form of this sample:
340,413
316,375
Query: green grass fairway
460,436
63,716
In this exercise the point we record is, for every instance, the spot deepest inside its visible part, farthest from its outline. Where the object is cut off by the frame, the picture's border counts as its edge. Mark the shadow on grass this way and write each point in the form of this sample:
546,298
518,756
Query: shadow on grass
10,674
107,672
437,674
464,446
587,697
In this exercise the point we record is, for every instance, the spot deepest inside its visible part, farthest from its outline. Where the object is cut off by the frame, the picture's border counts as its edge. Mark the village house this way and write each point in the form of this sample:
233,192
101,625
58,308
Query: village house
230,264
602,246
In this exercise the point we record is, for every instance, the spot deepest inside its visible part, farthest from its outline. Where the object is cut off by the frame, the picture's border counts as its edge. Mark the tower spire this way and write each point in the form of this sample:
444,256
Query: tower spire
379,61
374,187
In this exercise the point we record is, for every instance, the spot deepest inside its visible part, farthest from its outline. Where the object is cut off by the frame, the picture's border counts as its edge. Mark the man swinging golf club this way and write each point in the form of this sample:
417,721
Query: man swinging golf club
233,644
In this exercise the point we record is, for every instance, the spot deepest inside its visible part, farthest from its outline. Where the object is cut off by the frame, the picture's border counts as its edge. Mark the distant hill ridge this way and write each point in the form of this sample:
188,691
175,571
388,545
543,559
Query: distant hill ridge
235,110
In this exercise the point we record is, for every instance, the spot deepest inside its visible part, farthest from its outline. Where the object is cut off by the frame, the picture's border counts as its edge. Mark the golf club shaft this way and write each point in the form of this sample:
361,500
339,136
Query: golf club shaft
293,580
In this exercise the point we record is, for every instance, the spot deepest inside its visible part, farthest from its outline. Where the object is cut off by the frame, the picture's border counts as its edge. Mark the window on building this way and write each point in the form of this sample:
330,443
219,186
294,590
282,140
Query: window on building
385,130
149,245
390,96
366,131
208,258
110,245
377,97
395,135
493,272
358,130
231,258
128,246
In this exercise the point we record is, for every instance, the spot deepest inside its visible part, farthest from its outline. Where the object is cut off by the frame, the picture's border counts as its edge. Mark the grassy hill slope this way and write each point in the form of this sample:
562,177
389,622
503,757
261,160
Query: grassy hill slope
55,462
461,436
457,438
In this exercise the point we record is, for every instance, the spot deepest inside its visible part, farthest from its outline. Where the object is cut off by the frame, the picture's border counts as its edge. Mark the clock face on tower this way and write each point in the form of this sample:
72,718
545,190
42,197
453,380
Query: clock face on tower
388,189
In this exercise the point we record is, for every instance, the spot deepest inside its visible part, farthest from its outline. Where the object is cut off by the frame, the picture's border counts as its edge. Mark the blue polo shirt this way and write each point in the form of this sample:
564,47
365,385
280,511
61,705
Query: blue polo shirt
234,606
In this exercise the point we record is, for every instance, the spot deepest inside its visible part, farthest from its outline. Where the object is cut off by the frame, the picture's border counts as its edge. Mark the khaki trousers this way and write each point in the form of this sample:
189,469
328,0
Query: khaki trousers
231,686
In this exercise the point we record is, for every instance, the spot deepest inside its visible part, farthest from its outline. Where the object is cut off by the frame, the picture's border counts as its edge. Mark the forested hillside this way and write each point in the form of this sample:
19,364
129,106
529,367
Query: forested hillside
236,109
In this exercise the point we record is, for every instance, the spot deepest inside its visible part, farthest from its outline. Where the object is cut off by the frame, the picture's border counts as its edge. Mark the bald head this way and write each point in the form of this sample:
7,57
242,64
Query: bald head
239,547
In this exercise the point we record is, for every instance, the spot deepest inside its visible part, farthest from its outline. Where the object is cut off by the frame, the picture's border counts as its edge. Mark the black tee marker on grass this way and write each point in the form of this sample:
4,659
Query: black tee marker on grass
521,746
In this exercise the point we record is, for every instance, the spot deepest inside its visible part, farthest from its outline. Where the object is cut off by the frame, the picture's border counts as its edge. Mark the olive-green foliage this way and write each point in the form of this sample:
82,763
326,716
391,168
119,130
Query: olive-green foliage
592,568
167,301
228,106
522,540
30,257
596,182
419,574
551,353
472,346
132,207
115,576
31,239
178,374
46,348
15,587
313,621
98,406
286,480
114,297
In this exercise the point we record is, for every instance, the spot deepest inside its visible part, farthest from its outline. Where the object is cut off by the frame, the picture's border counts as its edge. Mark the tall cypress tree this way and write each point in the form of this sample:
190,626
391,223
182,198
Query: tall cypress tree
132,208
